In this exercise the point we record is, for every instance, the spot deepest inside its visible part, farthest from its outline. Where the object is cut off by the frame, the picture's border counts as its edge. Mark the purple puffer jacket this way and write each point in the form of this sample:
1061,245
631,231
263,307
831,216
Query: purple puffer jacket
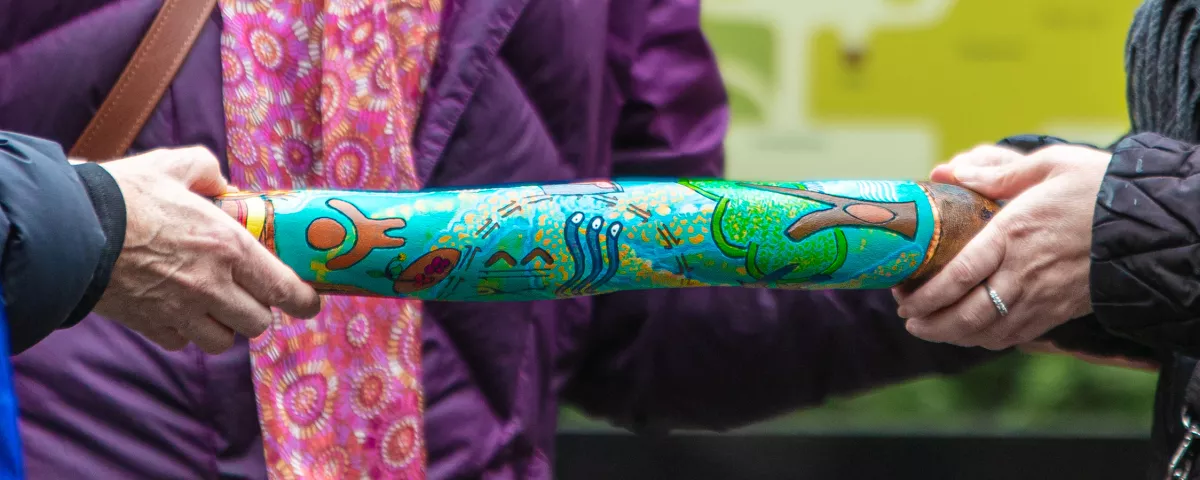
525,90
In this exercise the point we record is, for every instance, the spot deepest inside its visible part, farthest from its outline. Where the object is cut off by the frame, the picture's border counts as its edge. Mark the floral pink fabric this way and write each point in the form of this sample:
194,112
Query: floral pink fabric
324,94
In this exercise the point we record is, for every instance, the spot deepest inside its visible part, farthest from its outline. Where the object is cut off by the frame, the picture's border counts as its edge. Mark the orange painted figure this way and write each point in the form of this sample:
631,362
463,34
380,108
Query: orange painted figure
368,234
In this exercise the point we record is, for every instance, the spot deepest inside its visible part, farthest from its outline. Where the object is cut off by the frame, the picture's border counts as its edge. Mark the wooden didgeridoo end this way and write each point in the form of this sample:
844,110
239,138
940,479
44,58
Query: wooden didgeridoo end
959,214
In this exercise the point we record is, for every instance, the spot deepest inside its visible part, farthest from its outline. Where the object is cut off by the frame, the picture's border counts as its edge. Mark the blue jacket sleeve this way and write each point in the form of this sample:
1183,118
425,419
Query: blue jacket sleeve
61,229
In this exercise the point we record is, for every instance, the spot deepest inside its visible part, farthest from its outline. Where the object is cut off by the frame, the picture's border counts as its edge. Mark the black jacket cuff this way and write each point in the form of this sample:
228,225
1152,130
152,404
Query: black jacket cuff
109,204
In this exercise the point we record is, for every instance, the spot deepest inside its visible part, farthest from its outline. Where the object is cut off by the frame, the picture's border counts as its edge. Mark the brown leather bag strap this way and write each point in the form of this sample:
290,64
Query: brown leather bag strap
145,79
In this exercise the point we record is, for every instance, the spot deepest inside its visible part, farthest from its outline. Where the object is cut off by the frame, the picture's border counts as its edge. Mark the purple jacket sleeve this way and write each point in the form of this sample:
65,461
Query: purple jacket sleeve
720,358
1145,274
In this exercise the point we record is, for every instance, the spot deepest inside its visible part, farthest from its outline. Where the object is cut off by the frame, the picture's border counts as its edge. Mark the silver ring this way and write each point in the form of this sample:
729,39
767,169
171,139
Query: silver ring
1000,307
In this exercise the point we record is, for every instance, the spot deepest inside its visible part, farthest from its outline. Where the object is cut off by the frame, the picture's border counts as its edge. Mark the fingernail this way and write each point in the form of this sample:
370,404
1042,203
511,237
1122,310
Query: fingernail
902,312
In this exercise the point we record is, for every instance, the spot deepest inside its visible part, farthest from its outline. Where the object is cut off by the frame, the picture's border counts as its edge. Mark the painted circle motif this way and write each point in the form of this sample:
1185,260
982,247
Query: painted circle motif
362,33
404,343
296,154
232,70
358,331
250,179
349,163
268,51
242,146
373,92
401,443
267,344
345,8
361,39
250,101
311,101
247,7
412,350
331,463
383,78
370,393
331,97
306,400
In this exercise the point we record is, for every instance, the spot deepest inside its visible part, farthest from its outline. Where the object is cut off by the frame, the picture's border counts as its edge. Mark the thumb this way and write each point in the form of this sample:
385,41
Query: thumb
199,170
1001,181
943,174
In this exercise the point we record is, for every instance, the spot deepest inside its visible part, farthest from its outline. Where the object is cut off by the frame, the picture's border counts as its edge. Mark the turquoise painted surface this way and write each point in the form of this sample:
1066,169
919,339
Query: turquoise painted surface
534,242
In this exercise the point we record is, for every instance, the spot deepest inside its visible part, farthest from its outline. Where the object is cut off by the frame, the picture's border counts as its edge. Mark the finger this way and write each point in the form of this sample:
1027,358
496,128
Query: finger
986,155
976,262
208,334
1007,331
1032,328
1003,181
960,323
198,169
943,173
1039,347
981,156
267,279
242,313
168,339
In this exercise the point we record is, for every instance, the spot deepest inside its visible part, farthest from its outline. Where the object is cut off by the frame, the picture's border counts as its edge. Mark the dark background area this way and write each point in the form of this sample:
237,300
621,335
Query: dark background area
608,456
1021,417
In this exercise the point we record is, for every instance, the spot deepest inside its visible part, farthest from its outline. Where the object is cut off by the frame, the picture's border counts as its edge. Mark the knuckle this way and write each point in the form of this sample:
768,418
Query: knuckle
1053,151
1004,339
1015,339
186,328
1018,227
228,244
258,326
199,155
976,321
984,149
218,344
277,291
201,284
1047,159
919,329
961,273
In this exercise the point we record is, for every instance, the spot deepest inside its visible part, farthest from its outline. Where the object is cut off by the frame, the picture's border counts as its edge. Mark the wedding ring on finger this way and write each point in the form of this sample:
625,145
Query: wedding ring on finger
1000,307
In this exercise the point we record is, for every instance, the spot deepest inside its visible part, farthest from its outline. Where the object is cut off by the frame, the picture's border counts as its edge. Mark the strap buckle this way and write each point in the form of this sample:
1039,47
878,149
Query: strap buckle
1181,461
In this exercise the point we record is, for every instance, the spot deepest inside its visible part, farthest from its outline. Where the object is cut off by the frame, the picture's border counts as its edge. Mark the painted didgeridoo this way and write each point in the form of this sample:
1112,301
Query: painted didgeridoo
537,242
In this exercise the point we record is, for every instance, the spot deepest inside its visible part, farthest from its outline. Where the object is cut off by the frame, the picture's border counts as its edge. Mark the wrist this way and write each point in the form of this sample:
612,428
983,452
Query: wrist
109,205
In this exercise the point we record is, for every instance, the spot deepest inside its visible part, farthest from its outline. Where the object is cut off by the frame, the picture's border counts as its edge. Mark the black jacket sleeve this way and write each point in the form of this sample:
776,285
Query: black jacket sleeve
1145,276
61,230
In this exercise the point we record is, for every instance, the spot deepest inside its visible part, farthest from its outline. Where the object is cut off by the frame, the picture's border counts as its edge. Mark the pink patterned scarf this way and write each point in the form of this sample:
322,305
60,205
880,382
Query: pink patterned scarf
325,94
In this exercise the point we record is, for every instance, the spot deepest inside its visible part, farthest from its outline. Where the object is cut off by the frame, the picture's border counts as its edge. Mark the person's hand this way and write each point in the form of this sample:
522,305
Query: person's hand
1033,254
1045,347
189,272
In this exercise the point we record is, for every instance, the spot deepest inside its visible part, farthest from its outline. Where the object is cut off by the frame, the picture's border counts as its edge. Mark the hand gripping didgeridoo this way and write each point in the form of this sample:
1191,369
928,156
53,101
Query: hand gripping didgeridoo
537,242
